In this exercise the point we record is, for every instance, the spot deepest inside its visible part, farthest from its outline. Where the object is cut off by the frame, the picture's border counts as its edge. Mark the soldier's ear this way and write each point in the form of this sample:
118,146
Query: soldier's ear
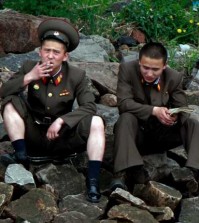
66,56
165,65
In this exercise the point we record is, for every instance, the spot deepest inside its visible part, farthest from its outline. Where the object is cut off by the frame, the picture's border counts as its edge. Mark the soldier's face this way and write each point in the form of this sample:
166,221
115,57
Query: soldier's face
151,68
54,53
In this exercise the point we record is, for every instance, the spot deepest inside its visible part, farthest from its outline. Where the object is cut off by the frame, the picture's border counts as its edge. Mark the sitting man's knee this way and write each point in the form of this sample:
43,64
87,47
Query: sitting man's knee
10,113
97,123
126,118
8,108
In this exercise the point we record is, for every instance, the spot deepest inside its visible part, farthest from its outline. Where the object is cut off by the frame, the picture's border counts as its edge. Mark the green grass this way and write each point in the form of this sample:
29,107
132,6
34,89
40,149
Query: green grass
160,20
165,21
88,15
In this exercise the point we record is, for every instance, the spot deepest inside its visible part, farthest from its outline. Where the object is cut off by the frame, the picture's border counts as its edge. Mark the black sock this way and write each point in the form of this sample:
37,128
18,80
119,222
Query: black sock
94,169
20,152
19,146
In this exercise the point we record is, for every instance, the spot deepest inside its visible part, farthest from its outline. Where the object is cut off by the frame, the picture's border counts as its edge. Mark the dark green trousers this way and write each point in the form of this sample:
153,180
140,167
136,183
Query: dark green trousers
70,140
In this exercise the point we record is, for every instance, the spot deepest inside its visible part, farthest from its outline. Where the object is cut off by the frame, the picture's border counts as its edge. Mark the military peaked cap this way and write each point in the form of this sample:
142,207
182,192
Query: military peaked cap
60,30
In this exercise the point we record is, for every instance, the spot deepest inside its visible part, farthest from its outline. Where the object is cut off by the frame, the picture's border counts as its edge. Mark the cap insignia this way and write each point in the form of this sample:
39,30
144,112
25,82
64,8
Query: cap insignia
56,33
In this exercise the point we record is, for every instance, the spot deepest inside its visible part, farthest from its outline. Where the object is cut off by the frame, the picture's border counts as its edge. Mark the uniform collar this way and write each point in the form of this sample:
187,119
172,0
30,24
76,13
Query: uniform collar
155,84
55,79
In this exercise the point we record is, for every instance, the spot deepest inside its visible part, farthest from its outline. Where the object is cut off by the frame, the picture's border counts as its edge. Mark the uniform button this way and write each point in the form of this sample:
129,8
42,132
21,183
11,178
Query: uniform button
48,108
50,94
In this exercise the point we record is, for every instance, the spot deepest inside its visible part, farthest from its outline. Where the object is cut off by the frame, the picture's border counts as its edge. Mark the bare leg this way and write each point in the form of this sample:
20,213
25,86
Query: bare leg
15,128
13,123
96,140
95,150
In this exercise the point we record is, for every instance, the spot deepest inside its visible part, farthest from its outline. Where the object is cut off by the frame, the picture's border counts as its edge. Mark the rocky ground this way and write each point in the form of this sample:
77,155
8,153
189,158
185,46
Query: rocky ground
55,192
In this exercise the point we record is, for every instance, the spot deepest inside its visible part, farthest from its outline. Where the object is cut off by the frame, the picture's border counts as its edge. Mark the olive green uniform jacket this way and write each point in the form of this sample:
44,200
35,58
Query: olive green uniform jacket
50,100
134,109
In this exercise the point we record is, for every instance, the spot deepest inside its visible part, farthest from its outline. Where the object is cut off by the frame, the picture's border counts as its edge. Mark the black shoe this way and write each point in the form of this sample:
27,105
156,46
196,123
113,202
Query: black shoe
11,158
93,194
118,183
7,159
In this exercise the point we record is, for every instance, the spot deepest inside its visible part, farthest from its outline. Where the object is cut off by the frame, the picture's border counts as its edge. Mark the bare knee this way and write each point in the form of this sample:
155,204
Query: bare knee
13,122
97,124
10,112
8,108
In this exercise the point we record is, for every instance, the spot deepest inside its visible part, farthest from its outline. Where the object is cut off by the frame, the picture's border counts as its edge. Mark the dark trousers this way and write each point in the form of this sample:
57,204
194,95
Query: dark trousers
134,138
70,140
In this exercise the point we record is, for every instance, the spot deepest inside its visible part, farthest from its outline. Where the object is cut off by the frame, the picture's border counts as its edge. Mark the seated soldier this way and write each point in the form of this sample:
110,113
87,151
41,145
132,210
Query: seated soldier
44,123
147,88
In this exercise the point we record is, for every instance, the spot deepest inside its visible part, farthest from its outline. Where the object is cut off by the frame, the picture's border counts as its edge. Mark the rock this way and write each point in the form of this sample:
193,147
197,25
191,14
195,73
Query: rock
130,214
71,217
13,62
124,195
6,146
106,221
108,100
7,191
157,194
79,203
128,55
126,40
193,85
192,97
138,35
17,174
185,48
64,178
89,51
18,32
2,130
103,75
36,206
161,213
182,174
178,154
184,179
156,167
189,210
104,43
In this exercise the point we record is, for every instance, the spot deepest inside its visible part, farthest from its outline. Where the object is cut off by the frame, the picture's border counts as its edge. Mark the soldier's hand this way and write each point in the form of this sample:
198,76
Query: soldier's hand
53,130
163,115
38,71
